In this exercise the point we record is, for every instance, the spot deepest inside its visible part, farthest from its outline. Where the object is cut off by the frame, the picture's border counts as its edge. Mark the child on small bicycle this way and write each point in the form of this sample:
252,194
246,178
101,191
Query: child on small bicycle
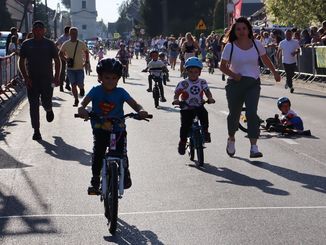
156,67
166,63
107,101
123,56
210,60
191,91
289,118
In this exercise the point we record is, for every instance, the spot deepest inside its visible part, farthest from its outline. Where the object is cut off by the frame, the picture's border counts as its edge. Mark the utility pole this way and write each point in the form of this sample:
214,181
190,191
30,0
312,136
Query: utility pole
34,9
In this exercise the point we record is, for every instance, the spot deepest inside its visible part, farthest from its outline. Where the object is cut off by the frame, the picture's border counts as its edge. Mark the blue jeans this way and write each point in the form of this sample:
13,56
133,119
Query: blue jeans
76,77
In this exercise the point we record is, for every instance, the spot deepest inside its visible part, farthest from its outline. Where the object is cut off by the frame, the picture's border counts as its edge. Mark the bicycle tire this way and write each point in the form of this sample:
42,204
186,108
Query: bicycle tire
191,150
112,197
124,78
200,155
156,96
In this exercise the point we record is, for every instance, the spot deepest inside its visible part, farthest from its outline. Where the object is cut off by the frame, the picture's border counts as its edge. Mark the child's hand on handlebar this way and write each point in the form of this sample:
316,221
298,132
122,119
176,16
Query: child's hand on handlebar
83,113
176,102
210,101
143,114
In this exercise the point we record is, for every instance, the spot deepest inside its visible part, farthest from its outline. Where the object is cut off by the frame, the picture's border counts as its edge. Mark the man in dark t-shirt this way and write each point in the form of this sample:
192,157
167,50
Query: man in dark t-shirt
35,64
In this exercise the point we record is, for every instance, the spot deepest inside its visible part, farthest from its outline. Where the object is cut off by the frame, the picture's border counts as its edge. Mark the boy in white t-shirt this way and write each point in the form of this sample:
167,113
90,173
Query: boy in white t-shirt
191,91
289,48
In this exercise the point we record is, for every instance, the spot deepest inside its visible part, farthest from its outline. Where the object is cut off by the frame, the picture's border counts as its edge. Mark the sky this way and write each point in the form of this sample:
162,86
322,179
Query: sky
106,9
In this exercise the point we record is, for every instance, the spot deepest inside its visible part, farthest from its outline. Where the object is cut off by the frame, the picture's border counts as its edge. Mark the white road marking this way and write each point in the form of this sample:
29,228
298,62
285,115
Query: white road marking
164,212
224,112
290,141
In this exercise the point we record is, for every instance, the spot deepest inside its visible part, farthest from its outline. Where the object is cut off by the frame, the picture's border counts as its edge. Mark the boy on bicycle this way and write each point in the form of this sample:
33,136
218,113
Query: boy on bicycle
123,56
156,67
107,101
191,91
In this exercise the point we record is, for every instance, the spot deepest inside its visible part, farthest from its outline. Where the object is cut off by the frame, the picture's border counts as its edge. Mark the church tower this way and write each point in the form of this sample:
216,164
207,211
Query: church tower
83,16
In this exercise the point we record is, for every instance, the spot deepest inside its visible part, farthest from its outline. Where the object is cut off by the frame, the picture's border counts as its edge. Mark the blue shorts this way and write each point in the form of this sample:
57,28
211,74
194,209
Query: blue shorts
76,77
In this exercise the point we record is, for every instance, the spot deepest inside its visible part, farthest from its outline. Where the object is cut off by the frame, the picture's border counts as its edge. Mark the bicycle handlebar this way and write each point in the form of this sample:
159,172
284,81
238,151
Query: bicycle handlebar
183,104
135,116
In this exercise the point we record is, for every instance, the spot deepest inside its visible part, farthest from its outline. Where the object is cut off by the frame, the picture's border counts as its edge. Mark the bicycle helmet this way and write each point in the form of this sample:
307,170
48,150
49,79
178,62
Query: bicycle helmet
193,62
153,51
283,100
109,65
161,54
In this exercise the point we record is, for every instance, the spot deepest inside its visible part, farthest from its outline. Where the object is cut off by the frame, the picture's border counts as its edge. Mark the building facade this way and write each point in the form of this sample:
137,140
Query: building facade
251,6
83,15
16,9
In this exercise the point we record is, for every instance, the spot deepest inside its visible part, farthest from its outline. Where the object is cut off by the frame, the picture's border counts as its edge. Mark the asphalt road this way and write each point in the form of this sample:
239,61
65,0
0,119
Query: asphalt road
280,199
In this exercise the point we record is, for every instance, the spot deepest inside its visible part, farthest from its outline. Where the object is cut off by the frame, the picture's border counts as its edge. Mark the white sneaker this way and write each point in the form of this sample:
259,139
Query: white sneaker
230,148
254,152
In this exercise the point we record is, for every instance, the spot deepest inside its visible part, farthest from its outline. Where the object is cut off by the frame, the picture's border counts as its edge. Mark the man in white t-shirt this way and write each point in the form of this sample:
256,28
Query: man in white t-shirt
289,48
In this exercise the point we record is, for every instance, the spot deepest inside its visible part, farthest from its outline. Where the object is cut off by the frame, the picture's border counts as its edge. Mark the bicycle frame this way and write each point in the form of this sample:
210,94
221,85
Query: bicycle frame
196,127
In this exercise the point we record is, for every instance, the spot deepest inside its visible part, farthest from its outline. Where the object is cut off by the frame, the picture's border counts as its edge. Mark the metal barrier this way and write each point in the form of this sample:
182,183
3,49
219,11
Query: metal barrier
311,63
9,76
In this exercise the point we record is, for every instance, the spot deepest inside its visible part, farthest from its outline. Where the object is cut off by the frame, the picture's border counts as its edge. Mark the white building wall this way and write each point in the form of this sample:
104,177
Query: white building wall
84,17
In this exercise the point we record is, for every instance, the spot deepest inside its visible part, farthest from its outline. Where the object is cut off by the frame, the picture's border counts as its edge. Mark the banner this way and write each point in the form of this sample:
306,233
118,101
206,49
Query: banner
237,9
321,57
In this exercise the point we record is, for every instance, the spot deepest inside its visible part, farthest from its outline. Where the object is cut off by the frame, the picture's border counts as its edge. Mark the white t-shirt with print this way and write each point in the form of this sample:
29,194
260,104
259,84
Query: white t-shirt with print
156,67
192,91
287,48
244,62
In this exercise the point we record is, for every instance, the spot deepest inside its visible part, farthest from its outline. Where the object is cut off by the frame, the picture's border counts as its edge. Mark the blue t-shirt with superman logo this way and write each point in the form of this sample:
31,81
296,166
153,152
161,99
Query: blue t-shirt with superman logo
108,104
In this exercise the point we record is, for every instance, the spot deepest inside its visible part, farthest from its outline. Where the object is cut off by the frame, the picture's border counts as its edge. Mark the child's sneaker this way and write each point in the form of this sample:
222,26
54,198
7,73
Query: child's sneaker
254,152
127,179
230,148
182,148
207,137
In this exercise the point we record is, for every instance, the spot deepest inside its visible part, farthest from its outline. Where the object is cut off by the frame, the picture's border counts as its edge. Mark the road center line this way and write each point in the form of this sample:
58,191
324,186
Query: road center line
290,141
163,212
224,112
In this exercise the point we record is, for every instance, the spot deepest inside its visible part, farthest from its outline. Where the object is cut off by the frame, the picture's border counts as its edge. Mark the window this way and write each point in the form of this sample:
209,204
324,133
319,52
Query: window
84,27
83,4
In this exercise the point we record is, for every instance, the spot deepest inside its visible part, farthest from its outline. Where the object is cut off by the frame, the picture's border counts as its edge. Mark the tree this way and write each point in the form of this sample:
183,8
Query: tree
6,22
300,13
66,3
218,19
41,13
183,15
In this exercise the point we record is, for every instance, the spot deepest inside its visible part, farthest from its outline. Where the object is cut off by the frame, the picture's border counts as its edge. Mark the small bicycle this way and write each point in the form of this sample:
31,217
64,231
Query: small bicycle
156,75
124,73
272,124
196,138
113,173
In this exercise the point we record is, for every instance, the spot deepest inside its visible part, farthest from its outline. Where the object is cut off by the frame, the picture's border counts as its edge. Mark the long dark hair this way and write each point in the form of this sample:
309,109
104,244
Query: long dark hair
231,37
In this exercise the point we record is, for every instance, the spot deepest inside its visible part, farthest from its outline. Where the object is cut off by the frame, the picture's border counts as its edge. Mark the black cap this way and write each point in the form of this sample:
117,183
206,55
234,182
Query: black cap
38,24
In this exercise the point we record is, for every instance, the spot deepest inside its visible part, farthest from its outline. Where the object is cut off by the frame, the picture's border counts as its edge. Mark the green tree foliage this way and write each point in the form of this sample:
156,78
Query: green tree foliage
183,15
41,13
218,19
6,22
300,13
66,3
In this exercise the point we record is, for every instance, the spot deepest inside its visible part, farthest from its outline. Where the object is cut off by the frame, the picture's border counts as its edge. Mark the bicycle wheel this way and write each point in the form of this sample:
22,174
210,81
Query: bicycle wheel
111,198
243,126
191,150
156,96
200,155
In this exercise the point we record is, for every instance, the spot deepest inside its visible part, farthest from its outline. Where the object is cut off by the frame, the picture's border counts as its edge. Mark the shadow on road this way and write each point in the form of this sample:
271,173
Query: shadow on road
169,109
4,132
309,181
9,162
130,234
311,95
235,178
136,84
61,150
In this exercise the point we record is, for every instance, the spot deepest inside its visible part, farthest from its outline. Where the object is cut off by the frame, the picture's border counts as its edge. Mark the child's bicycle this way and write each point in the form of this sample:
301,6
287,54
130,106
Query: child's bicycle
196,138
112,174
157,78
210,63
124,73
272,124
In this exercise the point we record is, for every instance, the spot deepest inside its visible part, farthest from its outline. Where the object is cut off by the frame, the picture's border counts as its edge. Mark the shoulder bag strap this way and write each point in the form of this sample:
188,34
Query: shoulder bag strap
75,51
